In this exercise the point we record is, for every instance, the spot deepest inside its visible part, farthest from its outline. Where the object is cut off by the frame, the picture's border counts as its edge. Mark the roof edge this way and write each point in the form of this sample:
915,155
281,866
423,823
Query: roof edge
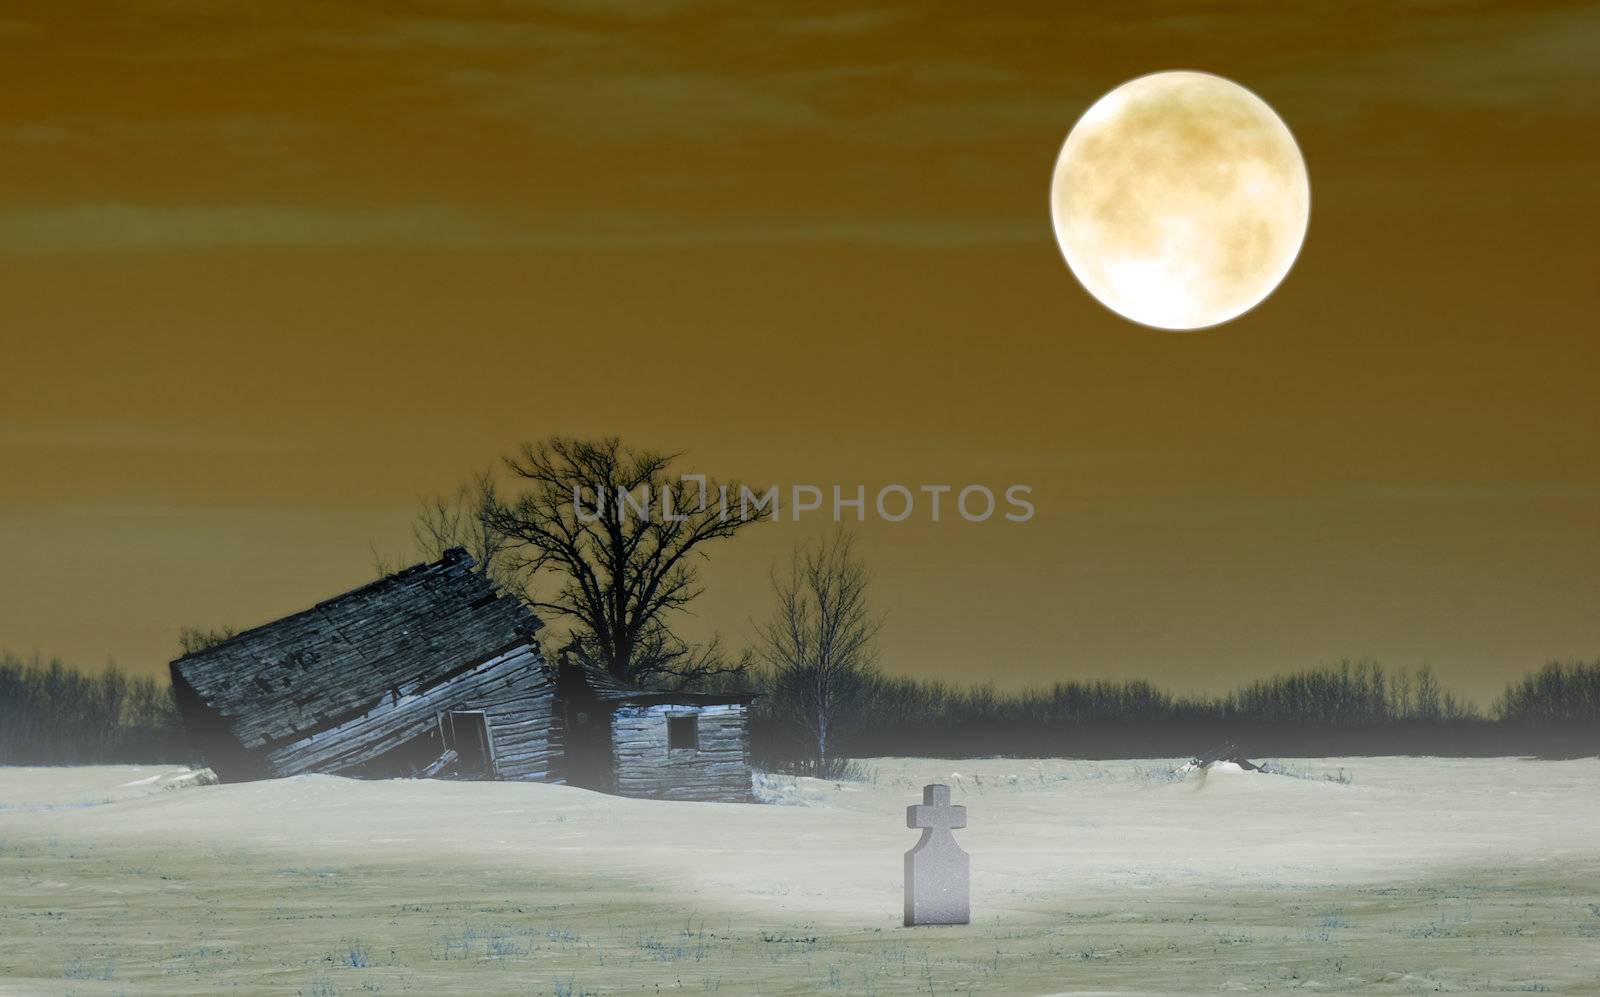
451,557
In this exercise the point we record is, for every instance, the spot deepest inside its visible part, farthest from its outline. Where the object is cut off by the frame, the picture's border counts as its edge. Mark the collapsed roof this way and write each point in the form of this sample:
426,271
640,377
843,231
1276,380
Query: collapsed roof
338,658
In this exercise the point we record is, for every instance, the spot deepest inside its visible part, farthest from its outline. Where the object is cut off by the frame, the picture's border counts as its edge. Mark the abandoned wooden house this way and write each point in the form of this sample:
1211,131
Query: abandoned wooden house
637,742
434,672
405,675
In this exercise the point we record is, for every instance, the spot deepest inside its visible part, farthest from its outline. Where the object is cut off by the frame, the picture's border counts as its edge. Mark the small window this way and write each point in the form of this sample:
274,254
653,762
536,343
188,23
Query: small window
683,732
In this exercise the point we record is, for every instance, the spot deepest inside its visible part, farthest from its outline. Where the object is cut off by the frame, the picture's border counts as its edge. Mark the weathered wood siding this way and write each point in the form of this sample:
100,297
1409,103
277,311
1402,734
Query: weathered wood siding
514,690
718,769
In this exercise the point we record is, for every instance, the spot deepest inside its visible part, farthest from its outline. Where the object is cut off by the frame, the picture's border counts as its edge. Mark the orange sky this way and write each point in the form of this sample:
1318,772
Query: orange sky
269,273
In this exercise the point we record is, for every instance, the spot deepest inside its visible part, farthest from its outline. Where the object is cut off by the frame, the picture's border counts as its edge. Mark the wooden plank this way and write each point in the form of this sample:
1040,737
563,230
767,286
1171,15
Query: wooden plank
717,769
513,689
342,655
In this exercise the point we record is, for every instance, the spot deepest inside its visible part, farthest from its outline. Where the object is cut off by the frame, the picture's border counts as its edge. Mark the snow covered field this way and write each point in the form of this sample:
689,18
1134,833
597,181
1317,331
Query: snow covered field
1412,875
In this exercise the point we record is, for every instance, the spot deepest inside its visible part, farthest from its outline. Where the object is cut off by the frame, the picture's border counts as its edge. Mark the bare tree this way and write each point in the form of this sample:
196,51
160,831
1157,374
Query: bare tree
467,519
1400,695
821,643
1429,705
607,539
192,640
463,519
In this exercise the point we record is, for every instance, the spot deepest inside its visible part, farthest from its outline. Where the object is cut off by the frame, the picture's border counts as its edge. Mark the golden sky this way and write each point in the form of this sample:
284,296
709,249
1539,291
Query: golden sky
271,272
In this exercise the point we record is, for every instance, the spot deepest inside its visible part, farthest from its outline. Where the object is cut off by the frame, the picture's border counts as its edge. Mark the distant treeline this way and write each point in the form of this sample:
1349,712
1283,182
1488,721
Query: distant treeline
1555,694
1351,709
52,713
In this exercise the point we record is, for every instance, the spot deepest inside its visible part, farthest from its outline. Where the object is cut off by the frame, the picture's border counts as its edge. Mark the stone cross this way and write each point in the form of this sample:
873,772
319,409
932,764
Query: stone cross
936,870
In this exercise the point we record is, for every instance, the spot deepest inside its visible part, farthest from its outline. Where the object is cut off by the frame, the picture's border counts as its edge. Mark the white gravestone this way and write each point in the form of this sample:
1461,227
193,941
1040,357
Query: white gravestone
936,870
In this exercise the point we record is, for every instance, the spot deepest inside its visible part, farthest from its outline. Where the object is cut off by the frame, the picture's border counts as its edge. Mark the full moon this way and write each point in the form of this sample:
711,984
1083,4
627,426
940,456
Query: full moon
1180,200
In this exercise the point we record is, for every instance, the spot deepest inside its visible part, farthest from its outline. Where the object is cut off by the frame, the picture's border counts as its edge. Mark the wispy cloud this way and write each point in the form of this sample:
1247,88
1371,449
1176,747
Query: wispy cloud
79,227
849,22
629,107
26,134
690,124
130,227
1519,57
460,36
128,436
913,233
1477,492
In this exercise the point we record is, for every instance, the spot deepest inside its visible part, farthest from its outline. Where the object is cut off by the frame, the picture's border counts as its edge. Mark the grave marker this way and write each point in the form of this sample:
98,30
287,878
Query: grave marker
937,882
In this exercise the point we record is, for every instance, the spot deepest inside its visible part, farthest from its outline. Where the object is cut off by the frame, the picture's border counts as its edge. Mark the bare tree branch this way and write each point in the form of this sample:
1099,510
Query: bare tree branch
821,642
601,537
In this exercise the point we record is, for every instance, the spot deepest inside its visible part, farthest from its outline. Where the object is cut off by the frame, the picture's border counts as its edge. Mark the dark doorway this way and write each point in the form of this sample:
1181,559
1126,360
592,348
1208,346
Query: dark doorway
468,733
